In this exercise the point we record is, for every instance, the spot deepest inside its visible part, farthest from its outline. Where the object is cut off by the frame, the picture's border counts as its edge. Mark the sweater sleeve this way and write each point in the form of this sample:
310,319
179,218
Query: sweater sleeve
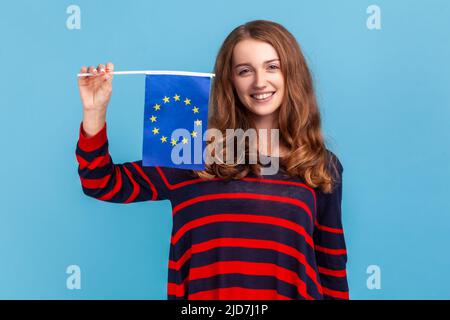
120,183
330,248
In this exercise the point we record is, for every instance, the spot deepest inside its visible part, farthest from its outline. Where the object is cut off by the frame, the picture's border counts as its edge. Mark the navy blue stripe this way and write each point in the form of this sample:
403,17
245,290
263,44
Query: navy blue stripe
246,281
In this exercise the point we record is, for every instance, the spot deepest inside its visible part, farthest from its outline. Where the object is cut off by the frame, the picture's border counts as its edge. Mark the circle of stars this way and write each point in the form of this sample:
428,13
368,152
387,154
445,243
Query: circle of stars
154,119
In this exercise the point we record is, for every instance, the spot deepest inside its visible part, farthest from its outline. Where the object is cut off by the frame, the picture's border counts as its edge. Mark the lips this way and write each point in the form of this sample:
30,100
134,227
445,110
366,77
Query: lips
262,97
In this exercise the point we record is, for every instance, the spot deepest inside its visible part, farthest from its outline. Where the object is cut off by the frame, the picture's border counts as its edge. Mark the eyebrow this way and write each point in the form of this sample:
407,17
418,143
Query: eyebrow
245,64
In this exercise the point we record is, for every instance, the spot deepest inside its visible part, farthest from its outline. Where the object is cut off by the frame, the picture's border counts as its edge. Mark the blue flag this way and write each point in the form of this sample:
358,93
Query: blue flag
175,118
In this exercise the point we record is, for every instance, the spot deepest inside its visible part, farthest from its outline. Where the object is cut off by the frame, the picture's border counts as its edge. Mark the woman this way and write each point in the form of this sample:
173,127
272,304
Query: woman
238,234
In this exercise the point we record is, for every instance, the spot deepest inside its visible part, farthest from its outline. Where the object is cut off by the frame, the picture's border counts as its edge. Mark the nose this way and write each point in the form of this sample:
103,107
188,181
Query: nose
260,80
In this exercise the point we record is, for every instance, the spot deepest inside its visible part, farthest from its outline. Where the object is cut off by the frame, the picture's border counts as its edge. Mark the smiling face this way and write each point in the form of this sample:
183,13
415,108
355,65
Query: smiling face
258,79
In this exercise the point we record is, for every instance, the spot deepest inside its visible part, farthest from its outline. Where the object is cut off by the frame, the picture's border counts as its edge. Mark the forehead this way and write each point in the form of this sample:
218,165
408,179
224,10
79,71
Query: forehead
253,52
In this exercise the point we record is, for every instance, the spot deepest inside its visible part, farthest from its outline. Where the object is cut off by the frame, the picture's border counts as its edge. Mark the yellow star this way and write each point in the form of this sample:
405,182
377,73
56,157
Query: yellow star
195,109
176,97
155,130
198,122
153,118
173,142
194,134
184,140
163,139
187,101
156,106
166,99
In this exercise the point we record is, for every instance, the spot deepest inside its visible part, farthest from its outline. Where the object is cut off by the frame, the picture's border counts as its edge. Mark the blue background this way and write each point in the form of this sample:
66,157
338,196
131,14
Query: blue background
385,103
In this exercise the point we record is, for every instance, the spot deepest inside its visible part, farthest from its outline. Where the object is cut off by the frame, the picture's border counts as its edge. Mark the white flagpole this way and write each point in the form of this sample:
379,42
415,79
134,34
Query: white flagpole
181,73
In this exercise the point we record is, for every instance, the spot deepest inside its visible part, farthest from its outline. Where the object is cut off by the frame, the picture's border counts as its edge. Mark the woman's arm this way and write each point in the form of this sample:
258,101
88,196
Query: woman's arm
120,183
330,248
100,177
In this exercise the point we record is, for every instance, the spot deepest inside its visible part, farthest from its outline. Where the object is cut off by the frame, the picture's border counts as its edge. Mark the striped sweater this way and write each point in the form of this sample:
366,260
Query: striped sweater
269,237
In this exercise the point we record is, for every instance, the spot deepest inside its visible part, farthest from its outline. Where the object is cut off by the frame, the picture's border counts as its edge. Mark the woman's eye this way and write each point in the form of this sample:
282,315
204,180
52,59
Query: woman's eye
273,66
243,71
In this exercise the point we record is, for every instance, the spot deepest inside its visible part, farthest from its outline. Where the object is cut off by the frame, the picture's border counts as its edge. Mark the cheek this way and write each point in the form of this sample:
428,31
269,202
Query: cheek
281,88
242,88
279,82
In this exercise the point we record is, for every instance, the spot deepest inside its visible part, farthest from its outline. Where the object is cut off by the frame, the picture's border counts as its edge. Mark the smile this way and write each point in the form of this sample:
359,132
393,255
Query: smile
263,97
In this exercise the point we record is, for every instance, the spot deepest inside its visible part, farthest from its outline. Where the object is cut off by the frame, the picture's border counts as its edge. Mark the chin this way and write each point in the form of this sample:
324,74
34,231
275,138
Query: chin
263,110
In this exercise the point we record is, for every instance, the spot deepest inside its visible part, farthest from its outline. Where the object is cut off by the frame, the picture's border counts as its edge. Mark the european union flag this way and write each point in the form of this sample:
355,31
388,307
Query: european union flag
175,118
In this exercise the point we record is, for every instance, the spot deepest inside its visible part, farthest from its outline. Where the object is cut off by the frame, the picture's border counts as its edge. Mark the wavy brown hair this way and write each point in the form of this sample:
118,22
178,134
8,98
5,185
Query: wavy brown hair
299,121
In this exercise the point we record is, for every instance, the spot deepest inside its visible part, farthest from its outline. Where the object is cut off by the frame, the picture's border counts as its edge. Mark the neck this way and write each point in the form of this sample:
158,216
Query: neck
266,146
265,122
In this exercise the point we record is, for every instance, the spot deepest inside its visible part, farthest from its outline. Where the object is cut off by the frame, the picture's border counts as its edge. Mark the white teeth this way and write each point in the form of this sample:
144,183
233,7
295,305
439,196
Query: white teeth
262,96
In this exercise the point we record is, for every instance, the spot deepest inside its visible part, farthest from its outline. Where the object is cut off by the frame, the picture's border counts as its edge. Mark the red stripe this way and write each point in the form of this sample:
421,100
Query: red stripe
250,268
335,273
81,161
176,265
223,217
329,229
248,243
136,188
253,196
336,294
94,142
237,293
177,290
180,184
261,180
95,183
99,161
117,186
145,177
330,251
293,183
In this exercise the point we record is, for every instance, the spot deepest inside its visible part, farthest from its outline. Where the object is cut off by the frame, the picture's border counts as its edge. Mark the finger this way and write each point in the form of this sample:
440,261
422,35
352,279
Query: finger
82,80
91,70
101,71
101,68
110,66
109,70
83,69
